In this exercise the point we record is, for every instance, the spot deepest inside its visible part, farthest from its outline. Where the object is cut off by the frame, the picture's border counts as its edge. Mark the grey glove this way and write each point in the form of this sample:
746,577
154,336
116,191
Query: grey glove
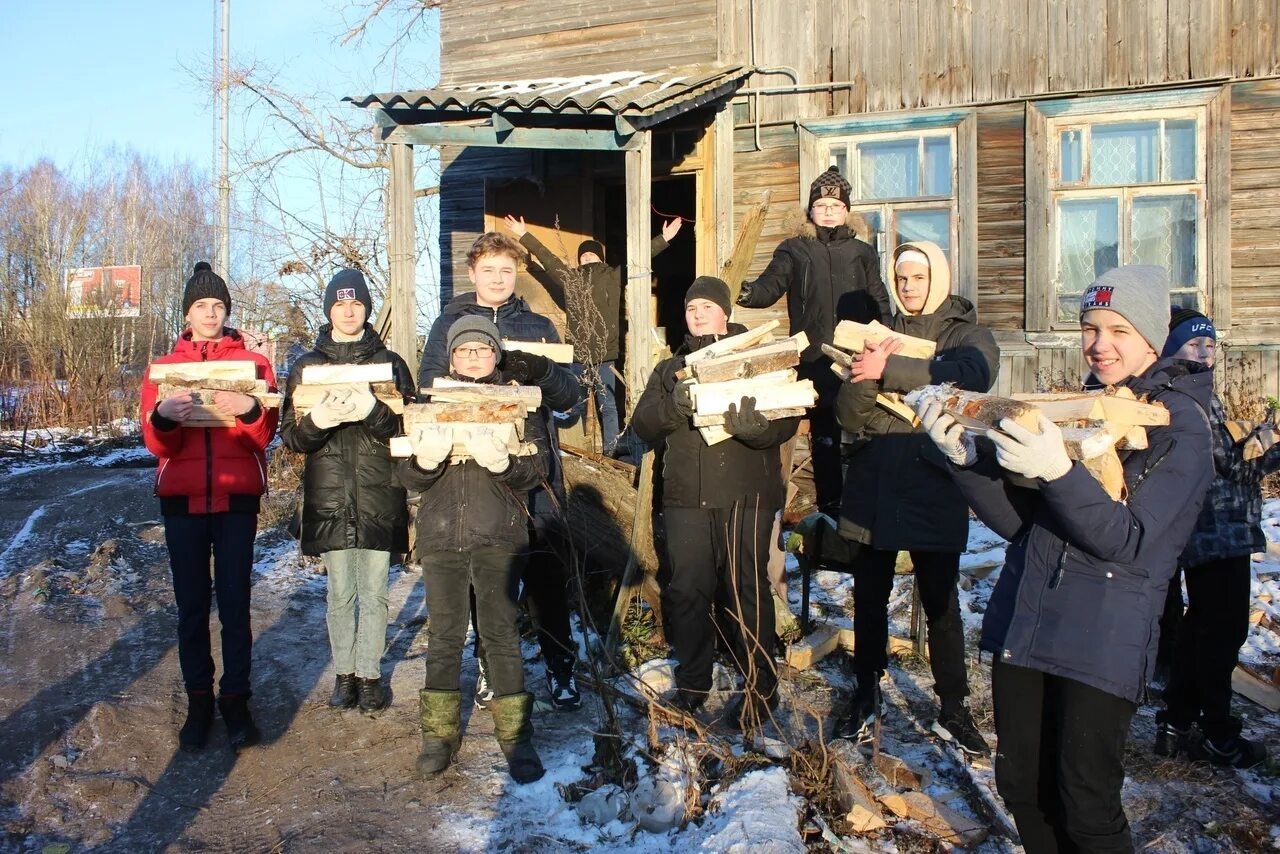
431,445
953,440
489,451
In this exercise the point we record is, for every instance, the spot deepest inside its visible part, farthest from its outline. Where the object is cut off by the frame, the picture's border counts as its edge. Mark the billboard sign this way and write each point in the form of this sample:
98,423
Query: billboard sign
104,291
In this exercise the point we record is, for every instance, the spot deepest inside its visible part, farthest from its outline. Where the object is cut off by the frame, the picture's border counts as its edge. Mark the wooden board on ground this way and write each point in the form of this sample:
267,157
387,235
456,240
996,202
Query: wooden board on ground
808,651
561,353
329,374
897,645
1248,684
852,794
853,336
230,369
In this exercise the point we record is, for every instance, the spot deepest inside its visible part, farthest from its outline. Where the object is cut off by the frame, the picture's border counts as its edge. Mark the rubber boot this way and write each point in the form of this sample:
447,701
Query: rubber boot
440,714
195,730
513,728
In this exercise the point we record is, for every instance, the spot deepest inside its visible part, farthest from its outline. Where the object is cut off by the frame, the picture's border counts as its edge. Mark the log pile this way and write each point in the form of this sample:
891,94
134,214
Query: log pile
851,338
204,379
746,365
338,382
470,411
1094,424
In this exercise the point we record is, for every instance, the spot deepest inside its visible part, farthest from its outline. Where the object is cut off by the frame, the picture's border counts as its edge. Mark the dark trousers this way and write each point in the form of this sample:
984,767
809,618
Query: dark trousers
1059,761
605,393
720,557
936,576
826,460
1209,639
546,591
494,574
228,538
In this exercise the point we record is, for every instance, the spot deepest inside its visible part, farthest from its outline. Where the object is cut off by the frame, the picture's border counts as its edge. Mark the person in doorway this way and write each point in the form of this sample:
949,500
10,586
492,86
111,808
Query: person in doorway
1074,619
492,263
898,495
591,296
1217,570
353,512
718,505
210,481
828,275
473,536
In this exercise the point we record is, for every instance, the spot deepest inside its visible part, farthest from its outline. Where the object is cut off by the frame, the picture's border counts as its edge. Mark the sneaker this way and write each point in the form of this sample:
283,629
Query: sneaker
561,685
859,721
484,693
371,695
344,691
1171,739
1235,752
957,727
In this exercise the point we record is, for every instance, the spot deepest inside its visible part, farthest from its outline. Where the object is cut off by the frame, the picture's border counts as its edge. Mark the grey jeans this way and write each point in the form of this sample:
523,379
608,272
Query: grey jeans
357,579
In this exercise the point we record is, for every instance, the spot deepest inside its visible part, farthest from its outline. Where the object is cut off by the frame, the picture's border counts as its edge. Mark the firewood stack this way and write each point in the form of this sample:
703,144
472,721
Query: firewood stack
206,378
340,381
851,338
472,410
1094,424
749,364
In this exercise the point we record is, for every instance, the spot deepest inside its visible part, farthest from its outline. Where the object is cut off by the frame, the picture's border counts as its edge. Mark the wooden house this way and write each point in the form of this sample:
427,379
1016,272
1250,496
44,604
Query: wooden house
1038,141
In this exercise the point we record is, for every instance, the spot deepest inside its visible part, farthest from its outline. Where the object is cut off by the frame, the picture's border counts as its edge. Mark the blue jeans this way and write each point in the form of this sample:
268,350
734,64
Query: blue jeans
606,395
357,578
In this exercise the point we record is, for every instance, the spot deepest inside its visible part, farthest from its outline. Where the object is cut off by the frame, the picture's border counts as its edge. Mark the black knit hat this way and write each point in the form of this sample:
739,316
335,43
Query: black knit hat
205,284
348,284
591,246
830,185
710,288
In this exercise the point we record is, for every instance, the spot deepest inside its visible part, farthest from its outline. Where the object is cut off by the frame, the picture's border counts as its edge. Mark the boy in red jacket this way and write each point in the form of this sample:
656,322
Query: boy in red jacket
209,482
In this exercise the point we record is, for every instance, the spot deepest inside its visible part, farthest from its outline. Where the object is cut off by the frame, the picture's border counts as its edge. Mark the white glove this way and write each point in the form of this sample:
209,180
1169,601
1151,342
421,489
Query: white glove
953,440
489,451
431,445
331,412
1035,455
362,402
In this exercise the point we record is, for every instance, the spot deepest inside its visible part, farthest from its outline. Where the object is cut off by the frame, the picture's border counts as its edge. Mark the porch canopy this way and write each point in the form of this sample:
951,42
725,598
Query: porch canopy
613,111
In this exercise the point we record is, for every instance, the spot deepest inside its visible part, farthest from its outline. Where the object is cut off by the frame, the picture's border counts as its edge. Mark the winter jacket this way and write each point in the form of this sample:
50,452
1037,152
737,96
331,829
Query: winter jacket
592,344
828,275
698,475
209,469
465,506
898,493
1085,576
1230,522
350,496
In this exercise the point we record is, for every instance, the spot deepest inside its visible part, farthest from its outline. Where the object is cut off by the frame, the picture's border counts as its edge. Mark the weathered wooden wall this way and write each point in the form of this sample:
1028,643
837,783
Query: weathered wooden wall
485,40
1001,217
1255,208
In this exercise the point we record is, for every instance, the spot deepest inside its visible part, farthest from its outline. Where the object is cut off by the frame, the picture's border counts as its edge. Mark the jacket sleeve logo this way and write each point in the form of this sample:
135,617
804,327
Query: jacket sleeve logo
346,293
1098,296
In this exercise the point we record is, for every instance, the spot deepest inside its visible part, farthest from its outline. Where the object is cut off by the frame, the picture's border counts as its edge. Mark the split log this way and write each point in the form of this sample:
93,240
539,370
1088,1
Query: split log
974,410
942,821
714,398
236,369
464,434
753,362
716,419
331,374
1085,443
561,353
1117,408
307,397
180,384
465,412
900,773
732,344
808,651
852,794
853,336
1248,684
897,645
744,247
444,390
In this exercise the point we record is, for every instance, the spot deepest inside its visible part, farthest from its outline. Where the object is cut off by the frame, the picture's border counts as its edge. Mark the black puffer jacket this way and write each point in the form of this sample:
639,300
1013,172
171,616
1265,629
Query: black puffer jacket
465,506
591,345
898,493
828,275
350,498
698,475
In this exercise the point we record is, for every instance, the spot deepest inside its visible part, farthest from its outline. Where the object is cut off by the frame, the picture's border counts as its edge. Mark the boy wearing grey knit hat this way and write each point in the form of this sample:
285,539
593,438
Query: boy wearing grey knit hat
1124,320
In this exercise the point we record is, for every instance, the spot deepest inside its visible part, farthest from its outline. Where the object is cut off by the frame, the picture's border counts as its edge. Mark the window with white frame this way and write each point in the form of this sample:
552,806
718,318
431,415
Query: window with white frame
904,184
1127,188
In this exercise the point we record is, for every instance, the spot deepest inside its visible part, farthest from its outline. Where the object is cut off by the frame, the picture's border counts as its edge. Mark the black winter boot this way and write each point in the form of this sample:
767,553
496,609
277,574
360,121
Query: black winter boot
344,691
195,730
514,730
859,721
242,732
440,715
1171,739
372,696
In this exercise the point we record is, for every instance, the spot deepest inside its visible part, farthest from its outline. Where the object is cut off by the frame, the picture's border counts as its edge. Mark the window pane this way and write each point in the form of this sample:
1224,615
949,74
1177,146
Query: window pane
1180,150
1071,156
875,222
1088,244
840,159
932,225
1163,232
890,169
1124,153
937,166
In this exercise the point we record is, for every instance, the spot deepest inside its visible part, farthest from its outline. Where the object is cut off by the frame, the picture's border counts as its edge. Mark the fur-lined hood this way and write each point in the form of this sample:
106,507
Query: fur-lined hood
799,224
939,276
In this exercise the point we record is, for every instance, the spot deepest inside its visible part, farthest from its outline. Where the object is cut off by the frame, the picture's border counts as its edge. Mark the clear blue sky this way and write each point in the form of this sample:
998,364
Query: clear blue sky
81,75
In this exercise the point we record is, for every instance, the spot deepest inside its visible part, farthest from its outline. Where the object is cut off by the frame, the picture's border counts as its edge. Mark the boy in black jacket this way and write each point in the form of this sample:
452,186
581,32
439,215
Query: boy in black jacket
472,534
718,504
353,511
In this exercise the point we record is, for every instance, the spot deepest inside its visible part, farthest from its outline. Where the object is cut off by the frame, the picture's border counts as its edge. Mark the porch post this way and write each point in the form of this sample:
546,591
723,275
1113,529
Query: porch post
639,286
401,257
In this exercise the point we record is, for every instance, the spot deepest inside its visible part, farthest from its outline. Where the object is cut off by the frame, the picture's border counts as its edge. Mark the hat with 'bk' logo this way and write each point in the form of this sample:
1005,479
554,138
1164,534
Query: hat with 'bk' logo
348,284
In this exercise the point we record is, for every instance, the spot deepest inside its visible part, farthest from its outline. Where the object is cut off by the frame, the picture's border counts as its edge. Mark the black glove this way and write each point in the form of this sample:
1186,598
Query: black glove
744,294
682,399
523,367
667,372
745,422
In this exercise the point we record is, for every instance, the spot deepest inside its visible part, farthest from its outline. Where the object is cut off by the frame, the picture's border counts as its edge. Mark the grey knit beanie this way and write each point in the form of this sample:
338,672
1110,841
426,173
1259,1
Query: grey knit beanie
1137,292
477,329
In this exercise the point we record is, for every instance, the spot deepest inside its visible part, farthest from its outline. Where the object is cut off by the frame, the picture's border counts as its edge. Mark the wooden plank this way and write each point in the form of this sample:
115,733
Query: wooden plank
733,343
561,353
1040,296
575,139
238,369
639,279
341,374
755,362
714,398
1253,687
717,419
1218,198
402,256
808,651
853,336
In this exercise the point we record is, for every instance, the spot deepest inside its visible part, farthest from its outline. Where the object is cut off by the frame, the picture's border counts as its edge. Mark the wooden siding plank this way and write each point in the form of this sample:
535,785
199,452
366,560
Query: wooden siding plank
1001,228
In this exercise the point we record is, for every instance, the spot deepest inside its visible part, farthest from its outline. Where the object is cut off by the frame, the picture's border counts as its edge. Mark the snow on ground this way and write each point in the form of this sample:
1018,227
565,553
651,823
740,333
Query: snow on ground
32,450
